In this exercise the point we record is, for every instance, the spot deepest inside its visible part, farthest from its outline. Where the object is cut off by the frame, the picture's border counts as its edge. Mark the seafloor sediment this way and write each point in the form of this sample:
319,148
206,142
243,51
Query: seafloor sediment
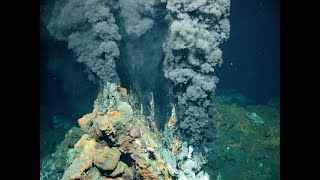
248,142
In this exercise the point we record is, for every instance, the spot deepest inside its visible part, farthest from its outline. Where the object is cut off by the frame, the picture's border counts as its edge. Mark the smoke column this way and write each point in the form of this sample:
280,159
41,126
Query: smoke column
197,28
91,32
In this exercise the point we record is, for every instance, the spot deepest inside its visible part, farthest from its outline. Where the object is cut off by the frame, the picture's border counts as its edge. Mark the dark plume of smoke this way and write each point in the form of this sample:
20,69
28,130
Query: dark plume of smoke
91,32
92,29
178,38
197,28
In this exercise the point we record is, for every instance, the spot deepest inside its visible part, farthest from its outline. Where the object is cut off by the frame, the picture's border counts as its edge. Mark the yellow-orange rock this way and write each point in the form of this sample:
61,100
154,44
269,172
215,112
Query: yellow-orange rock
89,149
114,114
105,124
86,148
83,121
80,144
106,158
148,173
78,166
121,166
92,174
135,131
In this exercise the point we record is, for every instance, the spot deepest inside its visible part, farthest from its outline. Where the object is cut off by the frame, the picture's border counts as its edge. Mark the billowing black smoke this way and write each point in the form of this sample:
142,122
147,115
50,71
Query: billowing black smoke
91,32
147,43
192,51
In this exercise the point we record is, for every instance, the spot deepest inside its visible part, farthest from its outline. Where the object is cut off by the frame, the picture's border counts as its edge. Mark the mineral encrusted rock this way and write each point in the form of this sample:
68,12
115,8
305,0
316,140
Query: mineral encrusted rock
107,158
119,143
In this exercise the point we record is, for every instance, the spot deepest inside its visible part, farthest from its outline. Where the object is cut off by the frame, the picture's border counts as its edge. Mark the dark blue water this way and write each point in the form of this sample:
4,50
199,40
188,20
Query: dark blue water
65,91
63,84
252,54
